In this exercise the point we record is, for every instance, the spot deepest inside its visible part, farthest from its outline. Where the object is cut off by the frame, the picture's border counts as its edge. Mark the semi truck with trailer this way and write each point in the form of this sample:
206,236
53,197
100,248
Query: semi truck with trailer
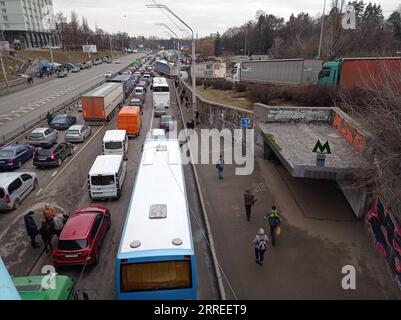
292,72
101,103
349,73
166,68
127,81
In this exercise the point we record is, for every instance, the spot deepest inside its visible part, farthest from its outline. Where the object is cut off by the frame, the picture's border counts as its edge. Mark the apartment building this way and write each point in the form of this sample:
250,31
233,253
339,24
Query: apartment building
28,23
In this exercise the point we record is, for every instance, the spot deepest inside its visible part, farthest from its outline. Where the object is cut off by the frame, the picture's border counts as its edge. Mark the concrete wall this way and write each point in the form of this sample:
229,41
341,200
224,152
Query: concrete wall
217,115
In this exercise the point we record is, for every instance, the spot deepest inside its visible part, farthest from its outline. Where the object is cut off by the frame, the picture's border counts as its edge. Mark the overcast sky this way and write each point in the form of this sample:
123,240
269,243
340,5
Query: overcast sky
205,16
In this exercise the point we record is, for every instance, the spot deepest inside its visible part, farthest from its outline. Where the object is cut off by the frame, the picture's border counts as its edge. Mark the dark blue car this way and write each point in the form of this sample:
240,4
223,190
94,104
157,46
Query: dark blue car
62,121
14,155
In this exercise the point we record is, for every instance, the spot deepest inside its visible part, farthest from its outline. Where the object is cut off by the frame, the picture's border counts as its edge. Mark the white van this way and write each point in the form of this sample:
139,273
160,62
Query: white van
106,177
115,142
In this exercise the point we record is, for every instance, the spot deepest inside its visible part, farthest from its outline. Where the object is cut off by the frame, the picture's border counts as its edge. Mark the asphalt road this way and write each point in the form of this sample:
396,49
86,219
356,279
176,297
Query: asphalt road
19,108
66,188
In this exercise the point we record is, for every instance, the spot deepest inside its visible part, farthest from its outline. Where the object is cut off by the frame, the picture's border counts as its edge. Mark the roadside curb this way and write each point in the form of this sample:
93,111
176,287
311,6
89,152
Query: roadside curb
204,211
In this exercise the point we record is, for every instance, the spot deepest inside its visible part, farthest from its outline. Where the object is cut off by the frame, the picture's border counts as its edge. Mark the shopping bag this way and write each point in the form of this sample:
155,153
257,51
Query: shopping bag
278,230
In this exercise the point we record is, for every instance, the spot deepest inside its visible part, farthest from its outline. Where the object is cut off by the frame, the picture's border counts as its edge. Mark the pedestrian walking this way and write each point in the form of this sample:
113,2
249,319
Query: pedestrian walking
197,114
249,202
46,233
49,212
49,118
220,167
260,242
274,220
187,104
31,228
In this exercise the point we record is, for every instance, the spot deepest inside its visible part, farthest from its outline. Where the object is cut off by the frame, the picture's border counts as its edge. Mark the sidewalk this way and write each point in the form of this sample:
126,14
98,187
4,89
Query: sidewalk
320,235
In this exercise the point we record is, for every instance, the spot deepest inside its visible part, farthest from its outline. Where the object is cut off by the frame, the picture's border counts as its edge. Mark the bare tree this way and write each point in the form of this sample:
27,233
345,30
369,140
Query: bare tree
378,109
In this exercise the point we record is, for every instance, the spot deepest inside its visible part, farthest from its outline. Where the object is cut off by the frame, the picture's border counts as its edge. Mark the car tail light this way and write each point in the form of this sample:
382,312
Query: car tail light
10,161
51,154
8,200
118,185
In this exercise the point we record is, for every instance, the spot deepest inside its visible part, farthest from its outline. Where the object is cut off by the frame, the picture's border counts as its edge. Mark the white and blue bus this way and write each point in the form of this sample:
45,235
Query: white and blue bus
156,257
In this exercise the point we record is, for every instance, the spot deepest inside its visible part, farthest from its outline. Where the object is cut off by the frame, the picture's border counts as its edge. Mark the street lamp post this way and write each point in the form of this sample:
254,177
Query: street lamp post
321,30
162,6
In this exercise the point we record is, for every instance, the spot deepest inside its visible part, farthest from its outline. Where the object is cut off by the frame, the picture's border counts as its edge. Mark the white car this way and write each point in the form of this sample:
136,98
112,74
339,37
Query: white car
107,74
117,61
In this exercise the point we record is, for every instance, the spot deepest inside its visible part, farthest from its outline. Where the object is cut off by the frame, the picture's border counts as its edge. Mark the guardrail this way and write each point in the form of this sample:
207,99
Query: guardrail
69,104
12,83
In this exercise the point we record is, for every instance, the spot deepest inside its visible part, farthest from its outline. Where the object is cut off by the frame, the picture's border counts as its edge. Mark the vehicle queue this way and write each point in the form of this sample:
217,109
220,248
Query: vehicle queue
80,239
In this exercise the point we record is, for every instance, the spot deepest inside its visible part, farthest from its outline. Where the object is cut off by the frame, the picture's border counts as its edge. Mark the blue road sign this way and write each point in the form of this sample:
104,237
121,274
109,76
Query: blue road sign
245,122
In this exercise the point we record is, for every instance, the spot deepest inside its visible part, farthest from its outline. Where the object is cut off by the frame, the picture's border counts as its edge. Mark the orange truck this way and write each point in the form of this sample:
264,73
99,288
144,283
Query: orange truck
101,103
129,119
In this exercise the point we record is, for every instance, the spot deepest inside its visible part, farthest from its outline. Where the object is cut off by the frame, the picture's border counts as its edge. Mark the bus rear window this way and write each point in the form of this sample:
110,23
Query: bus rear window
160,89
154,276
102,180
113,145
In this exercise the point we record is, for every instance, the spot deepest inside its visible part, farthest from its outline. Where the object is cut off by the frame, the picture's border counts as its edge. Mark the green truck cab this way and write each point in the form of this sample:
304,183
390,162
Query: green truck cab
329,73
45,288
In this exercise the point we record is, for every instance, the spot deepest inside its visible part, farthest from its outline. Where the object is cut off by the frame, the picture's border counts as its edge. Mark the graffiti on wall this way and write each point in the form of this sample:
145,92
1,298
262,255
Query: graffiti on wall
349,132
386,232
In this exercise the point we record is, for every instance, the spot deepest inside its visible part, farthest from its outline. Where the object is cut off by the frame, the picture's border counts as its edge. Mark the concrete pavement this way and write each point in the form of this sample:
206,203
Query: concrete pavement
320,235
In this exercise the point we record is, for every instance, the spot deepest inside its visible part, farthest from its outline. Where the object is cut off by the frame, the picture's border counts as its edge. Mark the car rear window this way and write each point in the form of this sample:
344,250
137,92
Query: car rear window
44,152
138,91
71,245
72,131
59,119
36,135
112,145
102,180
6,154
167,118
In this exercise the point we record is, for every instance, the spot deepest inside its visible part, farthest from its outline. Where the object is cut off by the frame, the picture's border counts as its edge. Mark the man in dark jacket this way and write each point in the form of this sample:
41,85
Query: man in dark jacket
249,201
31,228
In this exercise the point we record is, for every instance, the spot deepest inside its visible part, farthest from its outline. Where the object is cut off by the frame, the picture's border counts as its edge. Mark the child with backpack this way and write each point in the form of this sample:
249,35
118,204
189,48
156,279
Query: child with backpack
260,242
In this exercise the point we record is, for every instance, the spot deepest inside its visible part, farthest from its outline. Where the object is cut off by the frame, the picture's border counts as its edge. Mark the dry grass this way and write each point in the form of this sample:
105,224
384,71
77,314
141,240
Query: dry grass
63,56
229,97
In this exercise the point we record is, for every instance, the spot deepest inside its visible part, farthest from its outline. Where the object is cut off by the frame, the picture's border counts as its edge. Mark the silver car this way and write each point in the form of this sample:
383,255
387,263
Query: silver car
14,187
77,133
43,137
159,111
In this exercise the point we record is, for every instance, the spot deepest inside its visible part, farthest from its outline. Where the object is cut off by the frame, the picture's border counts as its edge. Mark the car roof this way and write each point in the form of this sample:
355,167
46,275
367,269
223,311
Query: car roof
106,165
76,127
40,130
7,177
78,226
12,146
114,135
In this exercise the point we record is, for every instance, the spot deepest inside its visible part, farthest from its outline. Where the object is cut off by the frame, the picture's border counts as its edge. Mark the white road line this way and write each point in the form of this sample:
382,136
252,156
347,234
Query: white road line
151,120
75,155
84,186
39,191
54,173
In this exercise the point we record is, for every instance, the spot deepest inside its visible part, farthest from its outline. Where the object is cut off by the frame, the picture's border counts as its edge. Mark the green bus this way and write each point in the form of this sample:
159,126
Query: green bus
39,288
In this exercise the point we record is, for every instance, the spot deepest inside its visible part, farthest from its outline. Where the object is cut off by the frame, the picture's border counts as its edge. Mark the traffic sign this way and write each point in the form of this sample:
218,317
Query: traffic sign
322,149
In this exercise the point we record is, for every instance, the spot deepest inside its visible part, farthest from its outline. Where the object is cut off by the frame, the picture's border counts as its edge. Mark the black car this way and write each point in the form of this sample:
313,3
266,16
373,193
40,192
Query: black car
53,156
62,121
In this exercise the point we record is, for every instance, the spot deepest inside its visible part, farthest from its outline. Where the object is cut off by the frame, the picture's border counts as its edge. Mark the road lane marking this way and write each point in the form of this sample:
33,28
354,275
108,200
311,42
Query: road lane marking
54,173
73,158
151,120
39,191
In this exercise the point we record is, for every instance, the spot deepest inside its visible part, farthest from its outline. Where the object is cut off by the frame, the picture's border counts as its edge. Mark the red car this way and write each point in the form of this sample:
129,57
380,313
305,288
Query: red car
82,236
